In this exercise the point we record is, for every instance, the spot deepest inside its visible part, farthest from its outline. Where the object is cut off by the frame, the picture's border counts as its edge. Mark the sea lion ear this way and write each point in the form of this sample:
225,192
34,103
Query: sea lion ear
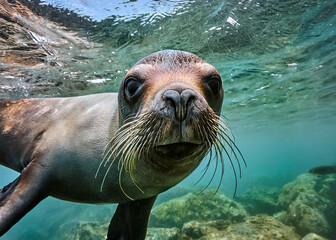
130,220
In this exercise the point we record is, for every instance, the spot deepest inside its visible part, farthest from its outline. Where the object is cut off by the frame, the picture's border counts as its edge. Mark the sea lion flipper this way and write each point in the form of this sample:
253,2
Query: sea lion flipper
20,196
6,189
130,220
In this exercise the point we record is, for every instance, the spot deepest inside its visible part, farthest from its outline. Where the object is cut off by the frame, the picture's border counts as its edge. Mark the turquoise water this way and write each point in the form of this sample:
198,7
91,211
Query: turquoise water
278,64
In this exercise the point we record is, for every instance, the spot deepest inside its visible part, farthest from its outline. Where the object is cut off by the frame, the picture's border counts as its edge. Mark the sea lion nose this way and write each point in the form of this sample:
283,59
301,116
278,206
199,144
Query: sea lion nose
179,101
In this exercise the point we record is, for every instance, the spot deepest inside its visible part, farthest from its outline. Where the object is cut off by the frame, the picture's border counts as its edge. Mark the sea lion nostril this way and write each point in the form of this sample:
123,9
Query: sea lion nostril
187,96
173,96
180,101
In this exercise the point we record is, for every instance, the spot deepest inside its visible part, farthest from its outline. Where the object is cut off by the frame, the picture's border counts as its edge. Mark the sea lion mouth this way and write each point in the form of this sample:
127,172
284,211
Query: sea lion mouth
176,150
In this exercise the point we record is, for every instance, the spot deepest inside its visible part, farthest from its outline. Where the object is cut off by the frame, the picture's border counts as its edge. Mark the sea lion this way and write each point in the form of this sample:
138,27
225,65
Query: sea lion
121,148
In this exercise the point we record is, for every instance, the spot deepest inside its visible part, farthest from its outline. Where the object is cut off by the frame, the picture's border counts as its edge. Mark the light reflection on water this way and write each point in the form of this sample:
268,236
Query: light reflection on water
124,10
274,61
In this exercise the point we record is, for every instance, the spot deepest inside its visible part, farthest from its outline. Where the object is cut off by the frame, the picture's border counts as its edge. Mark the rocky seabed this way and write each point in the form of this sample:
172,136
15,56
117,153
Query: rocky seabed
303,209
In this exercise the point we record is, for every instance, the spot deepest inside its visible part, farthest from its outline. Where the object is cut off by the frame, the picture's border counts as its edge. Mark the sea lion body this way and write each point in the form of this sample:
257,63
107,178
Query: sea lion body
121,148
70,136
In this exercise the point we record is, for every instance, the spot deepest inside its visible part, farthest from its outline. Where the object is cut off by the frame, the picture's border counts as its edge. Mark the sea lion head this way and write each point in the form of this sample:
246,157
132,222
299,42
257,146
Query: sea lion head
177,72
170,103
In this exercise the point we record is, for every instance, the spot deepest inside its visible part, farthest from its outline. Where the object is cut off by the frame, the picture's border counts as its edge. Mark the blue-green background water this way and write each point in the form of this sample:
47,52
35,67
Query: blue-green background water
278,64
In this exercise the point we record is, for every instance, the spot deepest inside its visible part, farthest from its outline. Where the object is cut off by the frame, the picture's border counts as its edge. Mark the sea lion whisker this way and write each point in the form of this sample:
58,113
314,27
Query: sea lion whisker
101,163
129,146
224,120
107,156
207,165
145,148
127,152
233,168
235,155
132,154
141,149
222,130
241,155
128,161
232,141
219,150
158,130
123,157
206,168
158,134
204,171
206,130
235,148
226,137
110,155
119,139
133,177
209,162
121,187
200,132
119,146
106,173
223,136
213,175
104,156
222,164
223,124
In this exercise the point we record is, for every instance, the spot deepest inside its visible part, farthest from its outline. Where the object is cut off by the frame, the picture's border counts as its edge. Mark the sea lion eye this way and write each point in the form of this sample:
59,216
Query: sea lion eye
131,86
215,83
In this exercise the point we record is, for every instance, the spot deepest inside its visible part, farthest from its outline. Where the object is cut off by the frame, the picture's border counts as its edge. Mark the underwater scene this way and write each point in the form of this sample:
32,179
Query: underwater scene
277,60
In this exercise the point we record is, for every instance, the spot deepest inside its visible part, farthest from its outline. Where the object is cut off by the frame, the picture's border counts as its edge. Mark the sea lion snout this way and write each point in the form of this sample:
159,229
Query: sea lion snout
180,107
179,101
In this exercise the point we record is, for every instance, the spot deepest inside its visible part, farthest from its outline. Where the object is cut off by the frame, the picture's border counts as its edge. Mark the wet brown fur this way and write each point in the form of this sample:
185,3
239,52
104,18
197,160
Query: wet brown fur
14,116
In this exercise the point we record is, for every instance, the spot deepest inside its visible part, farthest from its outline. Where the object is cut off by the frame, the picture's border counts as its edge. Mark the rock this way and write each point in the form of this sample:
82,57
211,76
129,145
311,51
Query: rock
176,192
163,234
309,204
33,48
98,231
88,231
205,206
313,236
27,39
260,200
195,230
256,227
